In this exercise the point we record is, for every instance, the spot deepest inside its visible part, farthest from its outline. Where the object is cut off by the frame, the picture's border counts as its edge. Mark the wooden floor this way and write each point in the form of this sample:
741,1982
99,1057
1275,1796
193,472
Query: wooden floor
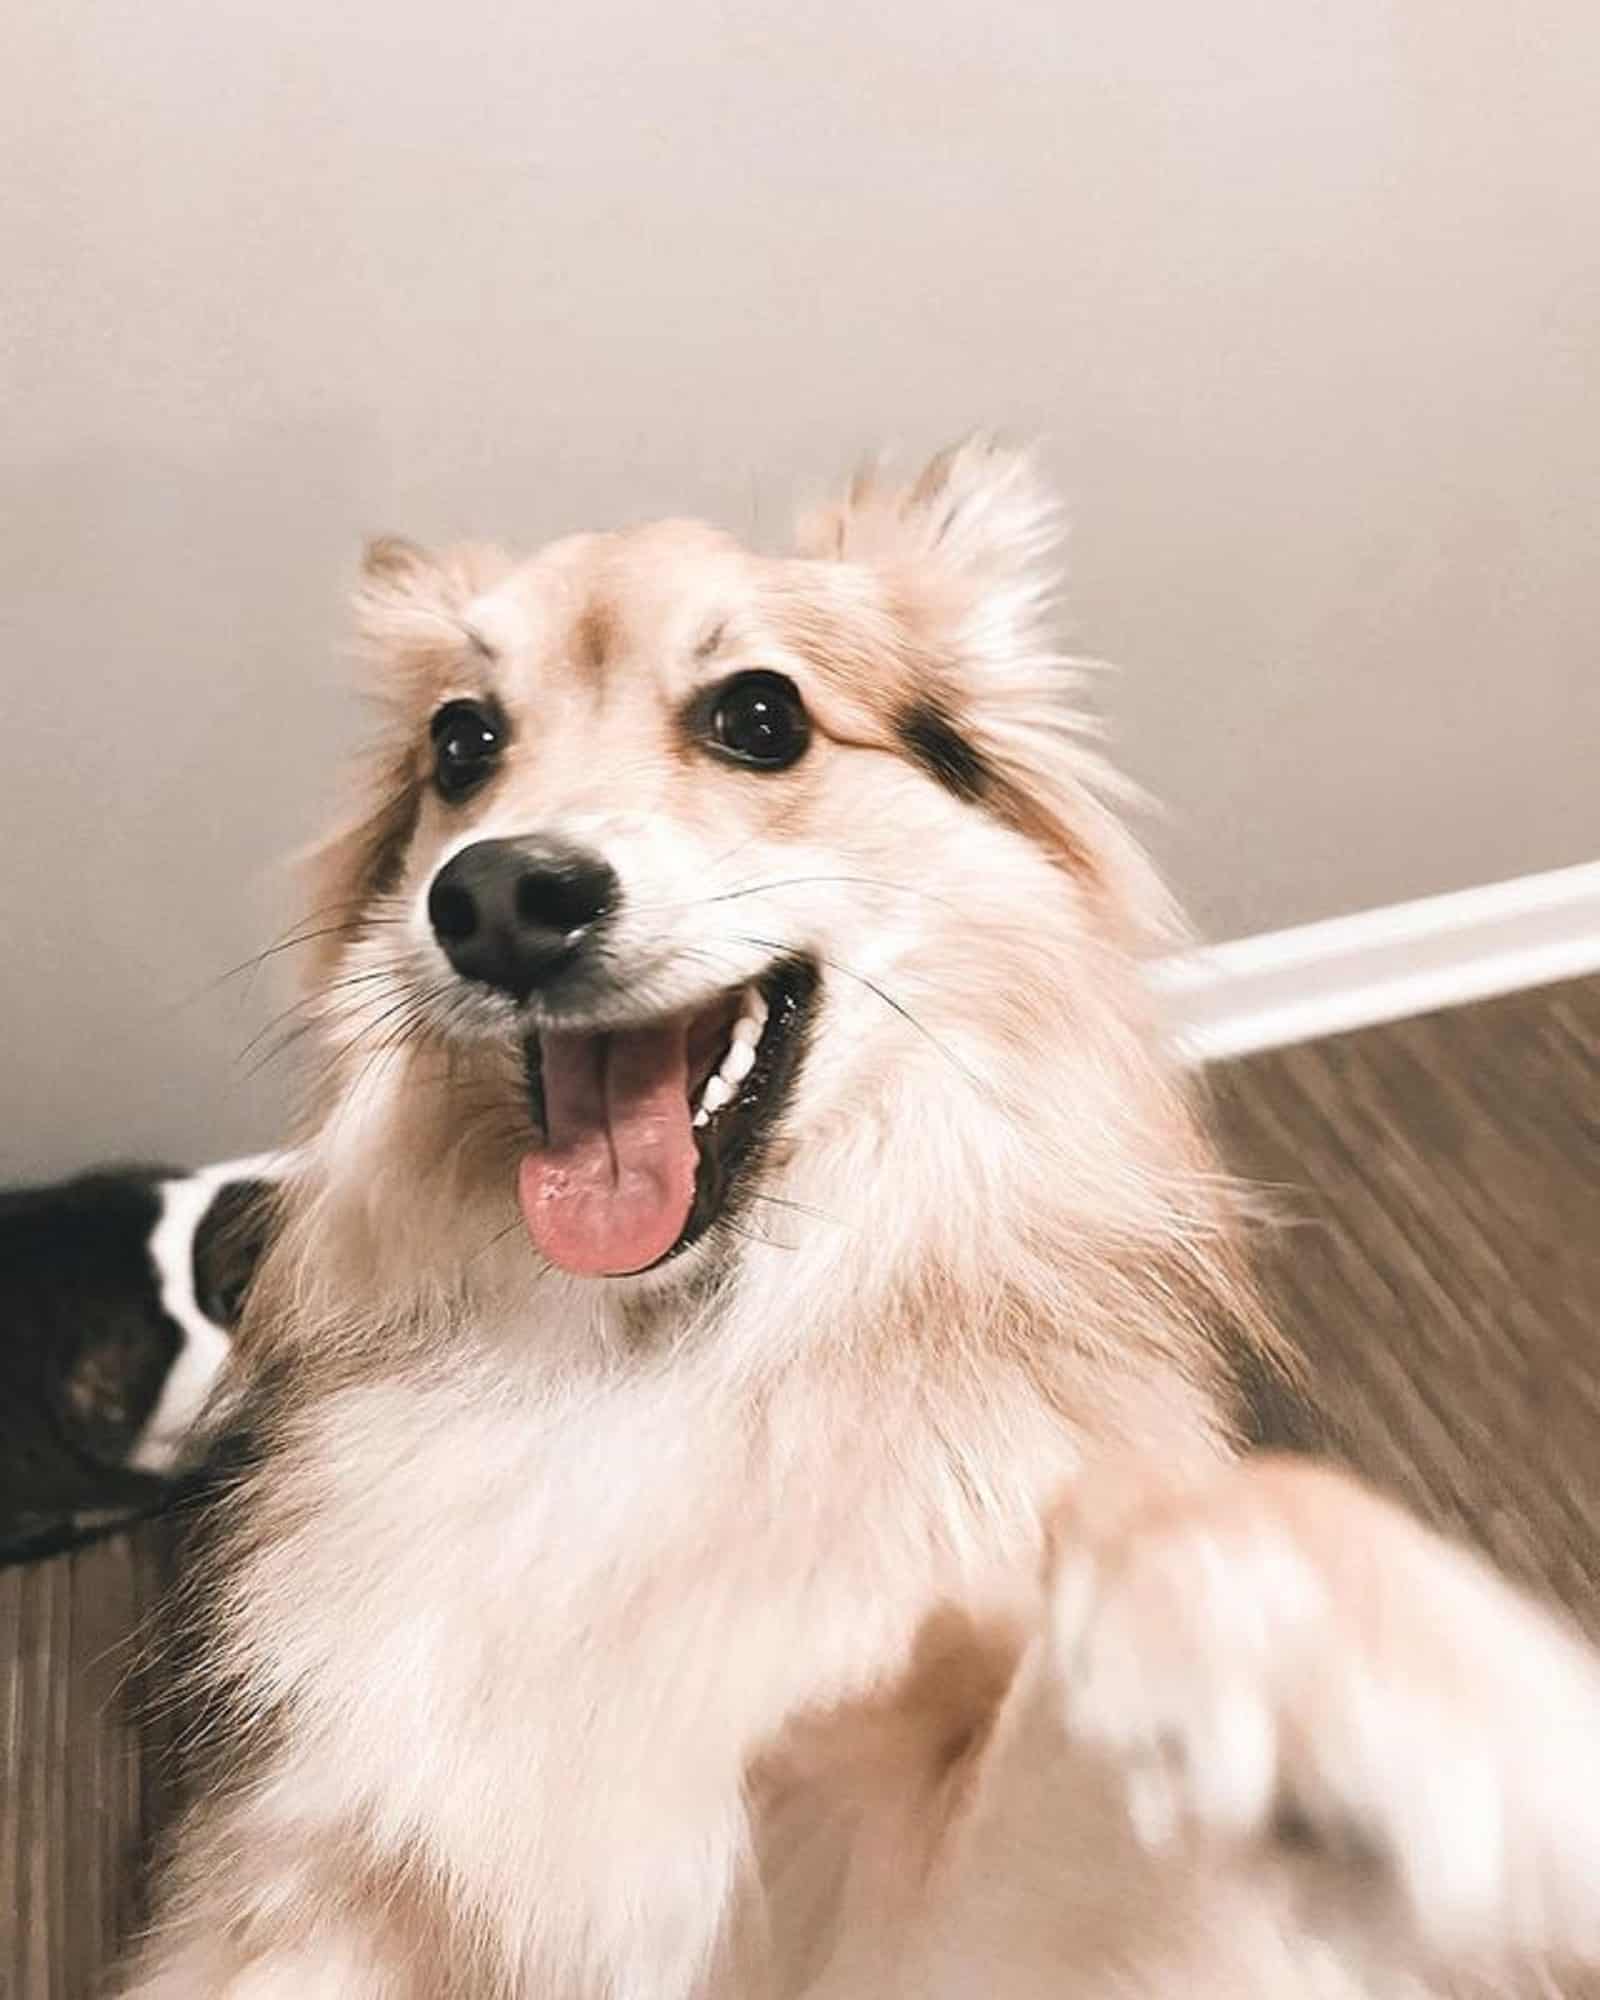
86,1760
1436,1256
1436,1259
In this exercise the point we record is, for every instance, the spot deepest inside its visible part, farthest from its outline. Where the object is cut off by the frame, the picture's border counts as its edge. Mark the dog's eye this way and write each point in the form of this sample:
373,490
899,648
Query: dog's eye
467,738
759,719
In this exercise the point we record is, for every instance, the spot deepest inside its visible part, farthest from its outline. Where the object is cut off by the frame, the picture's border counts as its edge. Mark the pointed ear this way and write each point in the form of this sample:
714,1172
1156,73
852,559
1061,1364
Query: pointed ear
967,549
411,610
966,559
395,560
403,600
414,626
980,510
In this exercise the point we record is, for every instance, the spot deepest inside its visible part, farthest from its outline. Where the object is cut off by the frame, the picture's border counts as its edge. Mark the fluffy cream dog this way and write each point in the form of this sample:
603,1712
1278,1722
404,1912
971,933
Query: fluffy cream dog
749,1501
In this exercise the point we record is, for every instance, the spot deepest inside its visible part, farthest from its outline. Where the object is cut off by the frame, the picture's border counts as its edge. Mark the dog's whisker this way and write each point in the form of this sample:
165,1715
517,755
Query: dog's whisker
417,1014
758,888
281,1044
405,996
313,1006
498,1237
799,1208
828,881
306,931
755,1236
412,1008
895,1006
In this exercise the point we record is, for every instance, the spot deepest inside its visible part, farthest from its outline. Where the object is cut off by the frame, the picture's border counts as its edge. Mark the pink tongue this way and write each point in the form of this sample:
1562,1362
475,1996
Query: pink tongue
612,1189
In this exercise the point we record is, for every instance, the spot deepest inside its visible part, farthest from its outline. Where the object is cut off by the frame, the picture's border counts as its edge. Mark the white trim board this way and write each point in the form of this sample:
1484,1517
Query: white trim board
1381,965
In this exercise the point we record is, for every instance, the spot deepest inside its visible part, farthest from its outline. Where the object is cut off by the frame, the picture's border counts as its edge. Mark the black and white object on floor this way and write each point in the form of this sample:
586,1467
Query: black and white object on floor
118,1292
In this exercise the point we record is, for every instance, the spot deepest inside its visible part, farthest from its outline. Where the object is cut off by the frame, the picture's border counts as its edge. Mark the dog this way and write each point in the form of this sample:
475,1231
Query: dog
119,1291
747,1496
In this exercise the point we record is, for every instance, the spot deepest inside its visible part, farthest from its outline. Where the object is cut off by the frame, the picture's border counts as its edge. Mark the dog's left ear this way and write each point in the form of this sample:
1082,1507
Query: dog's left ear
966,557
981,510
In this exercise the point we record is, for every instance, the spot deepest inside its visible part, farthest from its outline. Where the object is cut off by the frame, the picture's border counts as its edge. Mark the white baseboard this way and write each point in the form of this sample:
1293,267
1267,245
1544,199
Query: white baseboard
1381,965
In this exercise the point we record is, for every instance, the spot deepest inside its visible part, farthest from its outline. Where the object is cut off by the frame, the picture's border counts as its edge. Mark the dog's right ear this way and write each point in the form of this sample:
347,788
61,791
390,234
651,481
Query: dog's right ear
411,627
394,559
406,605
411,615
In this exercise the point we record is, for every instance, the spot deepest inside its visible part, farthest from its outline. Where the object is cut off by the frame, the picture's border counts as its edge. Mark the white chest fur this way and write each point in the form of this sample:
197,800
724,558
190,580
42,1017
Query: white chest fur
536,1641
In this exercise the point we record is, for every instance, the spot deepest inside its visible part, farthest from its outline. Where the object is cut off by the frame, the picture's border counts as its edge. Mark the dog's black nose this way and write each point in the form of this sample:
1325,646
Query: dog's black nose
515,913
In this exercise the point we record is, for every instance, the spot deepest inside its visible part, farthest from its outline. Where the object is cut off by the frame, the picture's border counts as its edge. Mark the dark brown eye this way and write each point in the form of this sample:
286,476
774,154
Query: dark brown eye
468,737
759,719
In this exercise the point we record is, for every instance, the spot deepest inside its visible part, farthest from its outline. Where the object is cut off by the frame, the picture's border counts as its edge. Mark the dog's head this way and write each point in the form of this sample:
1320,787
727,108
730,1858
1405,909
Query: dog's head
679,858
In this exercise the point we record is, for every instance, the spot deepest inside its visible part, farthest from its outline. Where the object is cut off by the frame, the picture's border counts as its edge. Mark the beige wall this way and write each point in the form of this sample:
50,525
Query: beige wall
1303,294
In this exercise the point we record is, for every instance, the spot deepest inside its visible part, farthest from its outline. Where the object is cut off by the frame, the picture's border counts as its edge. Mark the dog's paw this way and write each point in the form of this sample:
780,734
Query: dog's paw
1283,1662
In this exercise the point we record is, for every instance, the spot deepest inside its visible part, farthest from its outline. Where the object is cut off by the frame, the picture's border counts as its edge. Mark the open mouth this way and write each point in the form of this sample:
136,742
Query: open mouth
646,1132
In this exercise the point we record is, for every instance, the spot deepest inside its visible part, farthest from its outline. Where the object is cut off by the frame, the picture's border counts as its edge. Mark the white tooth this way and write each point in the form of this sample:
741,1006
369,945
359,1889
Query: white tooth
702,1116
752,1022
738,1062
718,1092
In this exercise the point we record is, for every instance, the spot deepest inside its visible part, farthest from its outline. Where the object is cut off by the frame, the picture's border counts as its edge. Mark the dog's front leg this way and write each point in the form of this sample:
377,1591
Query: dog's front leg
1279,1737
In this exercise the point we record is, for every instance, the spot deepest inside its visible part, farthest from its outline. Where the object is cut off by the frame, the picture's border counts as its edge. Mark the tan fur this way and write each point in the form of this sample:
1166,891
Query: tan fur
699,1635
